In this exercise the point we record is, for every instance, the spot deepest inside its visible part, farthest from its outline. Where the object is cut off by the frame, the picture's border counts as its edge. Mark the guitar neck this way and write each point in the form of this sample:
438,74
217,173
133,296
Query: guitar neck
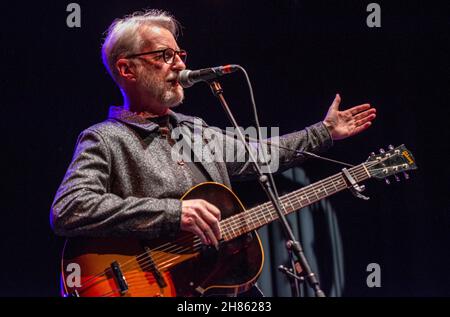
261,215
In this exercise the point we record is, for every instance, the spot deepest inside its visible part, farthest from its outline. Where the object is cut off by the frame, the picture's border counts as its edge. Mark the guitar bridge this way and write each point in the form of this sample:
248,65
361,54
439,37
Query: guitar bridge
155,271
120,279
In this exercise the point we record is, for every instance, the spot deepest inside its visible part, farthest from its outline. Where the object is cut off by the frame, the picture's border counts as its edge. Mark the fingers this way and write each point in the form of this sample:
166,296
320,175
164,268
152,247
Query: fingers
209,222
368,113
359,108
201,218
336,102
198,232
208,232
361,128
365,119
213,209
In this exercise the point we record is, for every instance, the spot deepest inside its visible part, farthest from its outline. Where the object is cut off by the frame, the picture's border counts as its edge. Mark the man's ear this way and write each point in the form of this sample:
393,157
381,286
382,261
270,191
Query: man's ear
126,69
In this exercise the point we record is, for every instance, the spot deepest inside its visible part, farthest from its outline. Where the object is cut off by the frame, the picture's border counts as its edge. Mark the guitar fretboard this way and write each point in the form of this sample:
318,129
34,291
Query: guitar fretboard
261,215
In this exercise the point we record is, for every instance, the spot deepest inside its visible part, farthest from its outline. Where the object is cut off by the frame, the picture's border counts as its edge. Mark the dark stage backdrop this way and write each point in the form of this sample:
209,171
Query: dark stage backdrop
299,54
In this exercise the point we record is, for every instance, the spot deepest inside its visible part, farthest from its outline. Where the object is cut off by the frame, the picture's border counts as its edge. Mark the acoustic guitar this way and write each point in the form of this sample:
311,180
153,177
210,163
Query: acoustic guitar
183,266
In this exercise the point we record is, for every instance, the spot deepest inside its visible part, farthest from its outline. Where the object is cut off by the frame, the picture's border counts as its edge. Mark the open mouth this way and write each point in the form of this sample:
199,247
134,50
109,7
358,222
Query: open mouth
173,82
173,79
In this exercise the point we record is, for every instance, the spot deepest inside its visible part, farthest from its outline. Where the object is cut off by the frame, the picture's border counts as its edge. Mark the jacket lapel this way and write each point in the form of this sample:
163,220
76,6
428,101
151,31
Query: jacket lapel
204,153
192,127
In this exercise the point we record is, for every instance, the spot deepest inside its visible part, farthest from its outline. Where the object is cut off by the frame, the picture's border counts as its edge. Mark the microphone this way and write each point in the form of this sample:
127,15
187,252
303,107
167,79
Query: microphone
187,78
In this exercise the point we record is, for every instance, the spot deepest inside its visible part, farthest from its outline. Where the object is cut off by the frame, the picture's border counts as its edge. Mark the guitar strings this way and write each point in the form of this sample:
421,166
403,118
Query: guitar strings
181,248
250,213
231,221
143,265
194,247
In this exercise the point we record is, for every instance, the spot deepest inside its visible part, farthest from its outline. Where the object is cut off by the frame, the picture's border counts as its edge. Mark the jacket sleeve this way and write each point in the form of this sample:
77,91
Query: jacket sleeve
83,205
315,139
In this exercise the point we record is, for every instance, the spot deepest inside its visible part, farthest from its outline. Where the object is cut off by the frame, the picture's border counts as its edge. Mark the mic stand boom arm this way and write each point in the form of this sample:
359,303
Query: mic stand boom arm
263,179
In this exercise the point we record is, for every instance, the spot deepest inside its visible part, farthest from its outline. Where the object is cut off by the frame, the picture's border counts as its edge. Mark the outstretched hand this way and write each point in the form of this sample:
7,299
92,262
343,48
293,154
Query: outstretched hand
342,124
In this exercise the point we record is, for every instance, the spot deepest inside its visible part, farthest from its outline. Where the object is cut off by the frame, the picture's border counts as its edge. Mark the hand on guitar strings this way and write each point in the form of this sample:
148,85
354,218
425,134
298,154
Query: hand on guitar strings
202,219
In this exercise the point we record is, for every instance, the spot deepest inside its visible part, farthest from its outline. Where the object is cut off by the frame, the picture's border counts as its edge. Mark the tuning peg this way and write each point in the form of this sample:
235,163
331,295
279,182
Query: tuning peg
382,151
390,147
406,175
371,155
388,182
397,178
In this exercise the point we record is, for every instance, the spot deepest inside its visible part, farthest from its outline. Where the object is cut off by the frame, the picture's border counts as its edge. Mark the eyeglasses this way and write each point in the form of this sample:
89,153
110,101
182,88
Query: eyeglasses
168,55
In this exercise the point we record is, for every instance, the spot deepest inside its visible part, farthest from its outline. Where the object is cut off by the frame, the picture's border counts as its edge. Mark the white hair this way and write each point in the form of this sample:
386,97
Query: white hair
123,36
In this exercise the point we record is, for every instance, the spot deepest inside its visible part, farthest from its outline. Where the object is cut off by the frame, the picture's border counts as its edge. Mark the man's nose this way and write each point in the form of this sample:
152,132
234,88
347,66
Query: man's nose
178,63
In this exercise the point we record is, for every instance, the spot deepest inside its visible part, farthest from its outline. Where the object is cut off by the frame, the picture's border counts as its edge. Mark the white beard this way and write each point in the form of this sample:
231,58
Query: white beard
161,90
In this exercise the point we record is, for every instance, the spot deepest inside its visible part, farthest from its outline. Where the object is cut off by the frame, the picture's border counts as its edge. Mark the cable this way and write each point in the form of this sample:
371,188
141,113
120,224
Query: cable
268,142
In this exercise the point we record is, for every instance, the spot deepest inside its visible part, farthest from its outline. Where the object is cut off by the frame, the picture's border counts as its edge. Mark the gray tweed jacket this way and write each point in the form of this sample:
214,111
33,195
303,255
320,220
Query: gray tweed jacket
122,180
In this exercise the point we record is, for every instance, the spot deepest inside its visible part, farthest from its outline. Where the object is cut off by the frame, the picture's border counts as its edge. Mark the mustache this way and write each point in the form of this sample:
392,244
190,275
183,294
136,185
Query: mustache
172,77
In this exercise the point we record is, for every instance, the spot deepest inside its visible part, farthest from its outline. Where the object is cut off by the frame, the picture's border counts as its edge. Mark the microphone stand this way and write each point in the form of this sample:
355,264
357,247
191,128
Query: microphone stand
292,244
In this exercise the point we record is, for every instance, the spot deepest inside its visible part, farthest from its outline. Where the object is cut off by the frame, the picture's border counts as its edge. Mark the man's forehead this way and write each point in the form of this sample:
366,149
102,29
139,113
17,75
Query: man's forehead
158,36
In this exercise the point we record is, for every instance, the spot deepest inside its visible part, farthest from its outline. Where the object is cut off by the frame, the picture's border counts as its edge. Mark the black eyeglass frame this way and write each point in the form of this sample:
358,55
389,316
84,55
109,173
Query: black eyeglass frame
181,53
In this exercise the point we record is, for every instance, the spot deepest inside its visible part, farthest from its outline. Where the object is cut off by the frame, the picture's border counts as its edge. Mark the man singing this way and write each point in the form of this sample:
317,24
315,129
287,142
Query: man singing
122,181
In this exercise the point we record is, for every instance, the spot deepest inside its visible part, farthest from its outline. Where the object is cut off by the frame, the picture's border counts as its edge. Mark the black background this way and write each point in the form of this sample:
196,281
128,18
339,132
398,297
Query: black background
299,54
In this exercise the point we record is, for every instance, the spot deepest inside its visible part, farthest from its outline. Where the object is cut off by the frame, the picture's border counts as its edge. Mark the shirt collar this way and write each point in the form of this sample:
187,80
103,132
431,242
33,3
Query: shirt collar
131,118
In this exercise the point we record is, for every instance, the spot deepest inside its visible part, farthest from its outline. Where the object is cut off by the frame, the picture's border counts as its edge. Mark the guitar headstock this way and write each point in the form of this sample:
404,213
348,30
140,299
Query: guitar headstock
390,162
